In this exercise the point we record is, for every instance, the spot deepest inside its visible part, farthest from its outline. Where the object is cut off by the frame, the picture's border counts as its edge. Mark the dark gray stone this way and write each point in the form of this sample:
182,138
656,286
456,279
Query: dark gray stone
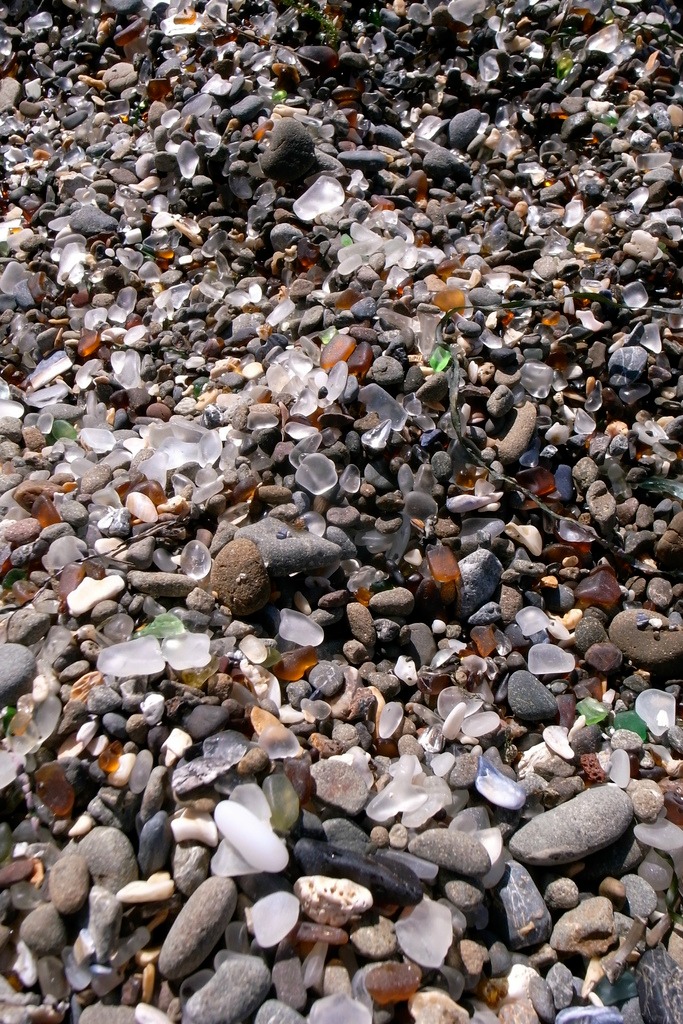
17,671
110,857
520,910
456,851
529,699
90,220
480,576
285,550
290,154
660,987
236,990
463,129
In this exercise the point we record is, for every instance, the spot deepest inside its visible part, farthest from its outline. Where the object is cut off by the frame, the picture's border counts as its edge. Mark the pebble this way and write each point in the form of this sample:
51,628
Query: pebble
105,916
520,909
197,928
659,980
285,551
239,577
110,858
480,575
17,672
331,901
591,821
235,991
455,851
290,153
69,883
529,699
656,650
339,785
587,930
43,931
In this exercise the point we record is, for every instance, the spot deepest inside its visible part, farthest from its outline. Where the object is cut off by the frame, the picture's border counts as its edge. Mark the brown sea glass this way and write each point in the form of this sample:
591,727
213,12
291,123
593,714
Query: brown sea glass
600,588
448,299
338,350
294,664
443,564
393,983
55,790
360,360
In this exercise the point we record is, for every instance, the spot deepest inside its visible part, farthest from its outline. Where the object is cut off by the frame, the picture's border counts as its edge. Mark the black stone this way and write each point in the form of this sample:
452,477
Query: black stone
387,881
520,910
660,987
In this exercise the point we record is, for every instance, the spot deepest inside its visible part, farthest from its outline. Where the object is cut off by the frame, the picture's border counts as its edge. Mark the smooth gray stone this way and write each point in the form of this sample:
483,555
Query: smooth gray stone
520,909
236,990
198,927
286,550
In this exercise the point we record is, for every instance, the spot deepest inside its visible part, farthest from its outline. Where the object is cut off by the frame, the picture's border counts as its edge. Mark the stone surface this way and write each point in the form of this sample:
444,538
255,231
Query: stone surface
590,822
480,575
339,785
286,550
110,857
69,882
43,931
290,153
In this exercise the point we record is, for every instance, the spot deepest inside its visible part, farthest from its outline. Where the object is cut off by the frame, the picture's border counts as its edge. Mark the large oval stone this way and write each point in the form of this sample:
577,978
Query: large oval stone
656,649
591,821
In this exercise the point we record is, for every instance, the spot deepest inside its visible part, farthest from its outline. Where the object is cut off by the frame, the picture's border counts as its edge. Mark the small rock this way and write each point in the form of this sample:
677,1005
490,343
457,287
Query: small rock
589,822
99,1013
339,785
10,93
89,220
587,930
376,940
641,899
69,882
519,907
480,576
27,627
239,577
104,922
197,928
654,648
660,983
235,991
517,437
43,931
110,857
275,1012
291,152
17,671
456,851
285,550
120,76
331,901
433,1006
463,129
529,699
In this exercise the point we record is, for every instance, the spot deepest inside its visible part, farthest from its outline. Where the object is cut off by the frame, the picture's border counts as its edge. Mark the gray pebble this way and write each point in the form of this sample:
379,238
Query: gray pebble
110,857
43,931
69,882
236,990
104,922
285,550
17,671
453,850
463,129
275,1012
198,927
89,220
27,627
641,899
520,910
190,866
398,601
591,821
480,576
339,785
529,699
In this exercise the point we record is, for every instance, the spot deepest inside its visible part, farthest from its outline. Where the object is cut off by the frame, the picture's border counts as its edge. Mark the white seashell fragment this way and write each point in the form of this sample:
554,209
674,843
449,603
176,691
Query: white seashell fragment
497,788
158,886
555,737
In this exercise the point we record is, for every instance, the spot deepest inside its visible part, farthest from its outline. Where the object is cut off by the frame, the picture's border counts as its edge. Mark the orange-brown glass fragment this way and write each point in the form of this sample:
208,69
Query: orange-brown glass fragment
538,481
393,983
449,298
443,564
110,757
338,350
45,511
599,588
484,638
294,664
55,790
88,344
360,360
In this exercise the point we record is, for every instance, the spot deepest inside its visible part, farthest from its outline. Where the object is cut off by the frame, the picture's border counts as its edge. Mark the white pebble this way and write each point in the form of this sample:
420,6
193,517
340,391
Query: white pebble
254,840
175,746
332,901
195,826
555,738
120,777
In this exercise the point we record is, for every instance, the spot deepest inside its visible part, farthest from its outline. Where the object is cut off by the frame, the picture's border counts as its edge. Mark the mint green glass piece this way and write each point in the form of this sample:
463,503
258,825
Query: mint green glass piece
631,721
327,336
346,240
162,626
623,988
592,710
564,65
439,359
60,429
279,96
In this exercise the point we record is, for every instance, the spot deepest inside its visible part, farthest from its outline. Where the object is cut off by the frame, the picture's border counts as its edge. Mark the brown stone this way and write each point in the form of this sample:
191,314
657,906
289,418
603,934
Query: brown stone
239,577
587,930
433,1006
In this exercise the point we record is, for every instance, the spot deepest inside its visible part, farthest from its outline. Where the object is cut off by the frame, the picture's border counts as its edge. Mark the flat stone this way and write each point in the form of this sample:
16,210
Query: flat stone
286,550
520,909
389,882
235,991
17,672
10,94
69,883
339,785
463,129
587,929
110,857
456,851
197,928
397,601
589,822
660,984
99,1013
239,577
529,699
657,650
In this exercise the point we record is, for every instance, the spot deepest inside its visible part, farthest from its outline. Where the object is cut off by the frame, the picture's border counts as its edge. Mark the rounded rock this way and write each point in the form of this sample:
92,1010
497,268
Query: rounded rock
69,883
589,822
529,699
652,647
197,928
17,671
291,152
110,857
235,991
43,931
239,577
